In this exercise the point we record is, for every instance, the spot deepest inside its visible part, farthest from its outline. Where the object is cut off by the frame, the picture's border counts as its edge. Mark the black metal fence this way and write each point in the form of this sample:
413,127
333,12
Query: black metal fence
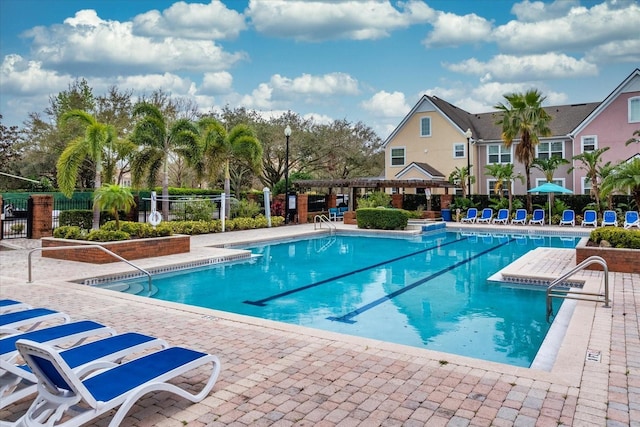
15,219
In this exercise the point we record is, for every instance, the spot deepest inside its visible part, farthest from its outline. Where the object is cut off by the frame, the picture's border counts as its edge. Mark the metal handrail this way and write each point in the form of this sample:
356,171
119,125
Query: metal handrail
320,219
102,248
578,295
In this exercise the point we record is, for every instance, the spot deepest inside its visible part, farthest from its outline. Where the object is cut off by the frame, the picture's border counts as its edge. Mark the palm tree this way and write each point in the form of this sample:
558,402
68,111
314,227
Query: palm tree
523,117
113,198
504,175
460,176
159,139
634,139
97,137
625,177
549,166
240,145
590,164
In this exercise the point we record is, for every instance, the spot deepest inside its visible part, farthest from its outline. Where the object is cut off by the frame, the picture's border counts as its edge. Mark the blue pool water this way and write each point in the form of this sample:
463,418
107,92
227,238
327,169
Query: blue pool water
429,291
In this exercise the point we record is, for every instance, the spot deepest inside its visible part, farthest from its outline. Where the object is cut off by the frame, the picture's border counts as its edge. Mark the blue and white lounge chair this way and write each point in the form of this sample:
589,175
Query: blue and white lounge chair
29,319
9,305
631,219
568,218
62,392
538,217
609,218
19,382
520,218
502,217
590,218
472,214
486,217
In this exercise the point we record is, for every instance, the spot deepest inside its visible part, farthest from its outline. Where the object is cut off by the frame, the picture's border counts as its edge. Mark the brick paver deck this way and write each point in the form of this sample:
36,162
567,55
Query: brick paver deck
284,375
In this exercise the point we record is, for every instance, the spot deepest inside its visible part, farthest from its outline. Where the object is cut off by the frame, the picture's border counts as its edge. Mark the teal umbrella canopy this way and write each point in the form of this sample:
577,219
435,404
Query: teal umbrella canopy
549,188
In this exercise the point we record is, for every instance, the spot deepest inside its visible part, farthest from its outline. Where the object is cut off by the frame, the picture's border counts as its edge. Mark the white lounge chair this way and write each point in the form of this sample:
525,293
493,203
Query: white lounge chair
590,218
538,217
62,393
568,218
631,219
19,382
487,215
520,218
9,305
609,218
29,319
472,215
502,217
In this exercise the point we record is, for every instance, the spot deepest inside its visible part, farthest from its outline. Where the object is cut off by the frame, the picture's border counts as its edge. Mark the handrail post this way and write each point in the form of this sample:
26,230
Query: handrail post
102,248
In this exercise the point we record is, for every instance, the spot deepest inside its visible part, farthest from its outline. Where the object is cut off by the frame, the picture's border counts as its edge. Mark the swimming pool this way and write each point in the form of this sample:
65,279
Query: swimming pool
429,291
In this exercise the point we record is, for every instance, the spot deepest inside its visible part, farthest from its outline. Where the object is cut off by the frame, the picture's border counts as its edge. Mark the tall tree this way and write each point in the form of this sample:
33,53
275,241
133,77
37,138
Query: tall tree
10,153
460,176
504,175
96,139
524,119
590,162
159,138
625,177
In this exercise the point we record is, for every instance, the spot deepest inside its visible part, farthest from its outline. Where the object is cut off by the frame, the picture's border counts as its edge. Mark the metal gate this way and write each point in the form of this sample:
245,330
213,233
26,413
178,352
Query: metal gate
16,223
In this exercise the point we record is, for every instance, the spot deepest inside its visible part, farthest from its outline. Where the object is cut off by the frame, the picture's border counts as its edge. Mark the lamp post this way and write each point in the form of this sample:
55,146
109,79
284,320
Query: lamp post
287,134
468,134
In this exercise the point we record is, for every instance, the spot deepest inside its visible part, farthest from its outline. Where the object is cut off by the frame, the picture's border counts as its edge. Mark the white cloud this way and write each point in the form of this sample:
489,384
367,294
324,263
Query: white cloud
579,29
492,93
23,78
533,11
86,43
619,51
331,20
530,67
168,82
217,82
260,98
321,85
453,30
385,104
191,21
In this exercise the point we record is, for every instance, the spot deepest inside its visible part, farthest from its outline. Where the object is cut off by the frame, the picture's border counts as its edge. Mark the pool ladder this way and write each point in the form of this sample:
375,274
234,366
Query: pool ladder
578,294
318,220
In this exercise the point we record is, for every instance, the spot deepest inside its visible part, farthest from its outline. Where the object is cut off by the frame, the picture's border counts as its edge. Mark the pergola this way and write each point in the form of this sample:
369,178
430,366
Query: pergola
372,183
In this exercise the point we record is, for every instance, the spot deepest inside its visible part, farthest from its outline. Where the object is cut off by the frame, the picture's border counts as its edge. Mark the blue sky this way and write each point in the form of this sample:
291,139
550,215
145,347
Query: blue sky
360,60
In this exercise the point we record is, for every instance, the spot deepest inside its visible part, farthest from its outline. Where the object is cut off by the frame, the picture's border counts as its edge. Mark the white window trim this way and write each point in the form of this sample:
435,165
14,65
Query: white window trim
404,157
503,149
464,150
540,181
595,144
633,98
583,186
549,142
430,127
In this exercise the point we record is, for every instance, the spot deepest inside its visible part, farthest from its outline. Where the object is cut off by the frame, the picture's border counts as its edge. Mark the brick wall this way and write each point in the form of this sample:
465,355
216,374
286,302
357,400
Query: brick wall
128,249
619,260
42,220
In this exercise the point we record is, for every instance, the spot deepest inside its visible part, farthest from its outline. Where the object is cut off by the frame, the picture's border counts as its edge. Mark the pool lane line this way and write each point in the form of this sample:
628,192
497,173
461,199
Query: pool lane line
262,302
347,317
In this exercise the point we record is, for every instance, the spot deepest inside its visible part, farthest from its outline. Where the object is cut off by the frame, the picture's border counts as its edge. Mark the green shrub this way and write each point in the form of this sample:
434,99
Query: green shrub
69,232
374,200
382,219
193,210
107,236
245,209
617,237
82,218
140,229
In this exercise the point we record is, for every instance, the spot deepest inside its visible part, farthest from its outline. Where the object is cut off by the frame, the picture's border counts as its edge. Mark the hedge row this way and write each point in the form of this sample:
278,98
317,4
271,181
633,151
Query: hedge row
382,218
617,237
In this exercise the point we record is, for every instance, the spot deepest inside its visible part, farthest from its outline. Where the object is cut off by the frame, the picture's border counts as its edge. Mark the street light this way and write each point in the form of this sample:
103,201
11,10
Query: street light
468,134
287,134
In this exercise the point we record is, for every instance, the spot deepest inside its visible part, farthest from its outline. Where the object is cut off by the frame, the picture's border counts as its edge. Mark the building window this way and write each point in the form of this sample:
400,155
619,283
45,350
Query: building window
589,143
586,185
425,126
546,150
634,109
397,156
459,151
556,181
498,154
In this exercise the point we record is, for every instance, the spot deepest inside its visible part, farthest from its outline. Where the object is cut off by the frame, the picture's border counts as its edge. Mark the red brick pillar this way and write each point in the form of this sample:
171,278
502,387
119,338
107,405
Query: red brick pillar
331,201
42,223
396,201
303,208
445,201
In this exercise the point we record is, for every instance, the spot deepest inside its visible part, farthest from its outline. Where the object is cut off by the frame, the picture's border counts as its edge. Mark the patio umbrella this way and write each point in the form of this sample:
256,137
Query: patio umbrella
549,188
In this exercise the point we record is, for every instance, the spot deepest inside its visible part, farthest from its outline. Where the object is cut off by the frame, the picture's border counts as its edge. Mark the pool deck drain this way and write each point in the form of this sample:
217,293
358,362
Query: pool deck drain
285,375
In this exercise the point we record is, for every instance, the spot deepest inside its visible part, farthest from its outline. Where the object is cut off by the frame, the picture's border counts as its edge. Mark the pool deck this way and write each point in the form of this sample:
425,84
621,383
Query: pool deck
285,375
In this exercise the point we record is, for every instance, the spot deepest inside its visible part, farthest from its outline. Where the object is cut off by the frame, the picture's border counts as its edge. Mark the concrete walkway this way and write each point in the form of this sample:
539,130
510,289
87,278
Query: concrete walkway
285,375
